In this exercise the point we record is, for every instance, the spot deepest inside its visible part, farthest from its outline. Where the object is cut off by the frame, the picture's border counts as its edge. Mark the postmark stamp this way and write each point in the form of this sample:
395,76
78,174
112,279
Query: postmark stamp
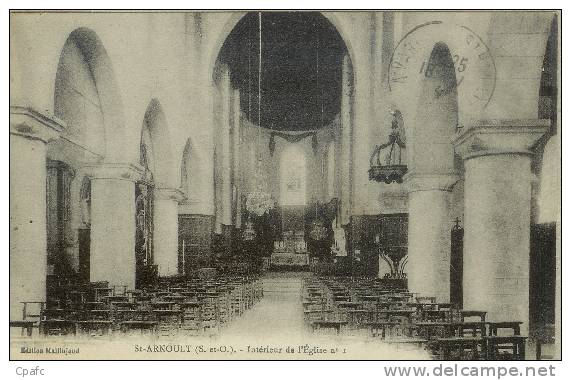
470,56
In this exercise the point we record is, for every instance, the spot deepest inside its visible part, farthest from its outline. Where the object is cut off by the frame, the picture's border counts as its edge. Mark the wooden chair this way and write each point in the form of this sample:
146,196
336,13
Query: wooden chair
506,347
169,321
426,300
236,301
513,327
474,329
436,315
58,326
94,327
224,307
460,348
331,324
31,314
100,290
191,318
209,317
466,314
143,327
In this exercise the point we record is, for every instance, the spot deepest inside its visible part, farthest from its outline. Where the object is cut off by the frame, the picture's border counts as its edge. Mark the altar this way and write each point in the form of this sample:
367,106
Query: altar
290,253
288,259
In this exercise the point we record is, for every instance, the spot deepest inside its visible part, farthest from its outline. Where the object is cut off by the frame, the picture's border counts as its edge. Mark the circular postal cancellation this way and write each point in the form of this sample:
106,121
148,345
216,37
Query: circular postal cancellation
435,49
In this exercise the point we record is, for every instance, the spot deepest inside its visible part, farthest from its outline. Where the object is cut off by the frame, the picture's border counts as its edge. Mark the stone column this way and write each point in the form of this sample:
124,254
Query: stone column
225,148
113,223
236,161
346,141
165,235
222,171
29,133
558,326
497,194
429,234
61,248
363,116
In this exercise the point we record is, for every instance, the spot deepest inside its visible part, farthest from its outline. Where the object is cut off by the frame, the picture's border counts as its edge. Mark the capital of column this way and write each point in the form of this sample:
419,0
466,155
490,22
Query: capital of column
426,182
31,124
492,137
170,193
123,171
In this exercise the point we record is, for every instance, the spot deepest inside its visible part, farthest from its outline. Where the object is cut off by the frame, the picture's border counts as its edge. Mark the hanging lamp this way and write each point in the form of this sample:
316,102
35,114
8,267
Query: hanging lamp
249,233
259,202
392,169
318,231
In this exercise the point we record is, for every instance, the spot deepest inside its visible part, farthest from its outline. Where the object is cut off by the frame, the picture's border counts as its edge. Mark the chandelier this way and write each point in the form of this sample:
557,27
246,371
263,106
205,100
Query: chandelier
249,231
259,202
318,231
392,170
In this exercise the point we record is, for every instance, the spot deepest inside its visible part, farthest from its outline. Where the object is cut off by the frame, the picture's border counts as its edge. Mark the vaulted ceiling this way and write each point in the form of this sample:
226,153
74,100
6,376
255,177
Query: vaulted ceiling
302,53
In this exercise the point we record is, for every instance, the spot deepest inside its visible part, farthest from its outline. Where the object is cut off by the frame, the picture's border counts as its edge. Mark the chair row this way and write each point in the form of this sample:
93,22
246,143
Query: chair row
349,306
191,306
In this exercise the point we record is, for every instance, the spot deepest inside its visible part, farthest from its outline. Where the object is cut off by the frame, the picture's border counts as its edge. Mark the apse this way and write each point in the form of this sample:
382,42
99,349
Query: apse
208,182
301,59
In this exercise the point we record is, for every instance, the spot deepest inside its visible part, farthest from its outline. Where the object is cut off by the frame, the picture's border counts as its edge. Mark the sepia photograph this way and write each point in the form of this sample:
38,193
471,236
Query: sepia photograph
285,185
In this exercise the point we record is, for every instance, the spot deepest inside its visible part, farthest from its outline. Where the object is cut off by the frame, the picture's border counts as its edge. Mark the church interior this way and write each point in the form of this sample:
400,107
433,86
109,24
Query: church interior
388,175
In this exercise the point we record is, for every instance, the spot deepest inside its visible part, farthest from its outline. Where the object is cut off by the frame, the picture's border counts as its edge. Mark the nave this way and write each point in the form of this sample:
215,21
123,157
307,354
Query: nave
260,316
162,181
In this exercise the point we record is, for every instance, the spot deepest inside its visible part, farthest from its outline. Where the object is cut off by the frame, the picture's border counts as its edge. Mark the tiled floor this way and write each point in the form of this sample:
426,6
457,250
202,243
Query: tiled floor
278,318
278,313
277,321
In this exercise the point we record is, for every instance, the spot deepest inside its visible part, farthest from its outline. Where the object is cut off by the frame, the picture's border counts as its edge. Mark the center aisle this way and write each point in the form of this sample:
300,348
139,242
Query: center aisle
278,314
276,322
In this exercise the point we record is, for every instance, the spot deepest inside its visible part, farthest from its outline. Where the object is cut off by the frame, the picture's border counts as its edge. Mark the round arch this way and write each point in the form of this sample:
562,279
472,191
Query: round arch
522,47
99,65
190,170
436,118
155,123
474,66
293,176
546,164
185,167
234,17
432,174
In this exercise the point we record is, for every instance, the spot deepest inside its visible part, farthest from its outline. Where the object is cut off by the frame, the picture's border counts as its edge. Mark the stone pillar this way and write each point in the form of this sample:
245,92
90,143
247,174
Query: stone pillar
363,116
29,133
346,142
61,248
429,234
165,234
236,161
113,223
225,148
558,326
497,195
222,170
201,114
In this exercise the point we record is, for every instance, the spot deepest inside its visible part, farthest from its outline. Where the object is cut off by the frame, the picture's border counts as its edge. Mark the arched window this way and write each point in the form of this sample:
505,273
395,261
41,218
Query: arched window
144,205
76,97
85,202
185,168
292,176
331,185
